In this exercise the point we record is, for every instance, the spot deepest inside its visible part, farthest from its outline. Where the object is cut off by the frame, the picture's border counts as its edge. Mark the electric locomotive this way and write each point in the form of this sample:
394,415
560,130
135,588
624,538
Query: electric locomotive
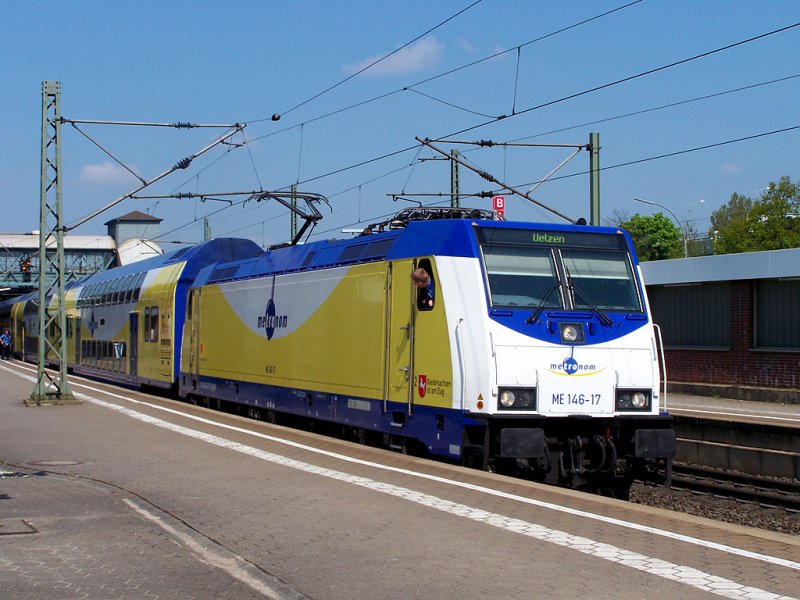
536,354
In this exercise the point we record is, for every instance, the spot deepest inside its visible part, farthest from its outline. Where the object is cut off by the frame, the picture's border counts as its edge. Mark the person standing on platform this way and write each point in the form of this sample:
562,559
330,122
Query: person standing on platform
5,340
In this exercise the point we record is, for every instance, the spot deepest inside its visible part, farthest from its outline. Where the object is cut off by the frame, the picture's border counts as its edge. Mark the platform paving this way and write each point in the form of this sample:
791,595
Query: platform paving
127,497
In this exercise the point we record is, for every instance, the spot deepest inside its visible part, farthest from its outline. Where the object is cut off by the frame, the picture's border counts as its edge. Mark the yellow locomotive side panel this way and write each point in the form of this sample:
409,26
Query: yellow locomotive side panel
433,362
318,331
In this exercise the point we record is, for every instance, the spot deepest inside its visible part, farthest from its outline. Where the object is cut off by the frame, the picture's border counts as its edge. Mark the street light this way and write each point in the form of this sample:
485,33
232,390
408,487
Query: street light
689,224
692,204
677,221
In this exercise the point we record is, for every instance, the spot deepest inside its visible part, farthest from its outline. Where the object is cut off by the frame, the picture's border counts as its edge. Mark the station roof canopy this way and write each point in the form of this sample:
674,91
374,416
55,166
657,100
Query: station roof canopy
30,241
772,264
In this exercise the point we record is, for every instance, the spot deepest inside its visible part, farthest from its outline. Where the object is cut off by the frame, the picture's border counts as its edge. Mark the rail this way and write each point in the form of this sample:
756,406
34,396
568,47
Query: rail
764,491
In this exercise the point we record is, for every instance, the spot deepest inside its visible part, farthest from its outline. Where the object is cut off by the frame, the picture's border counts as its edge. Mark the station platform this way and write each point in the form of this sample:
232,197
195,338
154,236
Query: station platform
131,496
720,408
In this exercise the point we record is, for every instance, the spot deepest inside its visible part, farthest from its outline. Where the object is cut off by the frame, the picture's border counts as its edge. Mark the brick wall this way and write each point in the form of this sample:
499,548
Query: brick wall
741,365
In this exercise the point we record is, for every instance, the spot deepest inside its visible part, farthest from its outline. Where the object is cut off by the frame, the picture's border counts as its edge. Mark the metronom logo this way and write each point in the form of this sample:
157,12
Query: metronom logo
570,366
270,321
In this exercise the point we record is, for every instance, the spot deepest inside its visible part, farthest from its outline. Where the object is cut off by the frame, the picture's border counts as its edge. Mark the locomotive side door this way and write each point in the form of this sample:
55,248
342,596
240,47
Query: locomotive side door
399,333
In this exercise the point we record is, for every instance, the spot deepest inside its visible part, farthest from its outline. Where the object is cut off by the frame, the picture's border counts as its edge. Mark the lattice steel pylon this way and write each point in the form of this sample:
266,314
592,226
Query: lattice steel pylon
51,388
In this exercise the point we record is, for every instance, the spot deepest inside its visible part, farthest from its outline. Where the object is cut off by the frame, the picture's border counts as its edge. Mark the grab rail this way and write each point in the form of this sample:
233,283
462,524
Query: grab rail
461,369
663,363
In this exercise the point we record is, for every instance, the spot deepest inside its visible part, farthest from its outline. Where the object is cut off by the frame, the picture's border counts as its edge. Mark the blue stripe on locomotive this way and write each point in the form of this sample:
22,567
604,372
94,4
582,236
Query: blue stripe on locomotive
440,428
446,237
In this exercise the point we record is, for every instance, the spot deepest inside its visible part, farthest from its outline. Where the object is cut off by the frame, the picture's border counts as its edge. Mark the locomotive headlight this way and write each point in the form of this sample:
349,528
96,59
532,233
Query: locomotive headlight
516,399
633,400
507,398
571,333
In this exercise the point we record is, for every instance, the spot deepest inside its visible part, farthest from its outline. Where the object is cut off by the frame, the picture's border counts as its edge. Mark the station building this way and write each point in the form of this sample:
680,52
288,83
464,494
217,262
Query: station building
730,323
127,240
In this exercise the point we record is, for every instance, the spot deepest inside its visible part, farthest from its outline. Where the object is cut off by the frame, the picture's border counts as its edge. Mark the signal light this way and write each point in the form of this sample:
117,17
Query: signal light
25,268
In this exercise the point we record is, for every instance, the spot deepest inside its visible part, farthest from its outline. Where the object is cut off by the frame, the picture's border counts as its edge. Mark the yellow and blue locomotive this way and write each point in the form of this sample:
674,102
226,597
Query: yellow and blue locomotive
536,353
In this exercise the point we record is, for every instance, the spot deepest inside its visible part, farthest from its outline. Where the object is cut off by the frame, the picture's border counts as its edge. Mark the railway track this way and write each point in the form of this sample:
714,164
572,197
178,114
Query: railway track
763,491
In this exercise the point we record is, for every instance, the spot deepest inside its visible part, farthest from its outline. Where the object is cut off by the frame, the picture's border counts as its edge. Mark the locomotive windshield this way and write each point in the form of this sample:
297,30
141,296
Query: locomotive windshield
554,269
521,276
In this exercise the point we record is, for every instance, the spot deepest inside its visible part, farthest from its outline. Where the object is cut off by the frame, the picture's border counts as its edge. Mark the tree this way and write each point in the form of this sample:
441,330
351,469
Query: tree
775,218
617,218
729,225
772,222
654,237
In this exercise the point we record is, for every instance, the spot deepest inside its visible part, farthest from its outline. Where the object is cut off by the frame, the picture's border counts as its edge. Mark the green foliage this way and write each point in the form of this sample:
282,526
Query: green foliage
729,225
775,218
654,237
771,222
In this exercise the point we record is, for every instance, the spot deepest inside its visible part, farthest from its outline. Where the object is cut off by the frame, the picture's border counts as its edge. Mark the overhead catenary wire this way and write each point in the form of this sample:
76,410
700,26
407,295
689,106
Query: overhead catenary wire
630,78
571,175
606,168
411,87
278,115
182,164
565,98
622,116
655,108
516,81
491,178
562,99
681,152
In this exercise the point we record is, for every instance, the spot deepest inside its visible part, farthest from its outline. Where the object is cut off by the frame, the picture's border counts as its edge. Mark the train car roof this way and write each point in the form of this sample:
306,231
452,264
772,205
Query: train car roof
196,257
439,237
7,304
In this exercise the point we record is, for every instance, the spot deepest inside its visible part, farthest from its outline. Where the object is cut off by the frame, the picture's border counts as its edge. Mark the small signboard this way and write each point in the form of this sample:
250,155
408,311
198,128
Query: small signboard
499,205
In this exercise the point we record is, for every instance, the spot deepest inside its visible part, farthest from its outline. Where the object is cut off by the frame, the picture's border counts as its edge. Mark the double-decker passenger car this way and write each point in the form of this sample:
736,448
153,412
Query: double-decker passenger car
125,324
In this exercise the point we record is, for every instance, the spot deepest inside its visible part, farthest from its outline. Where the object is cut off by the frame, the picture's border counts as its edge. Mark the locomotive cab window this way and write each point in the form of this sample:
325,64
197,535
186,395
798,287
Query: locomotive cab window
520,276
425,285
564,269
600,278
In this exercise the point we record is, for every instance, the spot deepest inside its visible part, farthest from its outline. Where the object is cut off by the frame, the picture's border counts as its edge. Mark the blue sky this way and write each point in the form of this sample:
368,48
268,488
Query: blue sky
243,61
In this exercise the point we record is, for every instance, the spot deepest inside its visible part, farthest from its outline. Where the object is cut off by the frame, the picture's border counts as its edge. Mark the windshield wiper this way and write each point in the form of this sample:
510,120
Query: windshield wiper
575,292
535,314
